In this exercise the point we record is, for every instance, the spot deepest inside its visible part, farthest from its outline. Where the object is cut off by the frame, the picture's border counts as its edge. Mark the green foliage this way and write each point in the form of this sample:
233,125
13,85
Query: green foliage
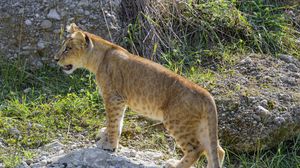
285,155
272,28
54,106
199,31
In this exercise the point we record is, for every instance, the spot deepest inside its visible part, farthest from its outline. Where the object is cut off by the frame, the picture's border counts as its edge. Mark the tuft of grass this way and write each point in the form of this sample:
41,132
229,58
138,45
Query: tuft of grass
196,32
285,155
39,106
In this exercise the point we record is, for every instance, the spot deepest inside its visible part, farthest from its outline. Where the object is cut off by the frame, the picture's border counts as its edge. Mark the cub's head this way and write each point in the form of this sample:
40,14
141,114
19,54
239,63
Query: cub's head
74,50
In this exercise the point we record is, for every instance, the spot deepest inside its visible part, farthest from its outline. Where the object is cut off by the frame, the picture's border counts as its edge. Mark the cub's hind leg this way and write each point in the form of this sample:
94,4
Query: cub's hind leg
109,138
221,155
186,137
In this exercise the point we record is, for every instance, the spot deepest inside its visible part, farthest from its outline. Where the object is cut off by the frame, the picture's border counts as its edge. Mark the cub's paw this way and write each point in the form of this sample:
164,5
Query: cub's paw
171,163
104,143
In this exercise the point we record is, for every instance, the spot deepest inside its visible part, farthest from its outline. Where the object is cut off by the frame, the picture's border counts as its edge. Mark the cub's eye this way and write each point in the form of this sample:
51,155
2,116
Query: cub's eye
67,49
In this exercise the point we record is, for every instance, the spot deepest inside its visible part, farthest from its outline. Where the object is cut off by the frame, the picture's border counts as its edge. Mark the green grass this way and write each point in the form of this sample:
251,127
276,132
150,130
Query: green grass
208,33
61,106
53,104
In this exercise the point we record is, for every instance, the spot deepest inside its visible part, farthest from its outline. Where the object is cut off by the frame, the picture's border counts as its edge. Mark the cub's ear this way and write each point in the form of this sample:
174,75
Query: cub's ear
78,35
72,28
89,43
83,40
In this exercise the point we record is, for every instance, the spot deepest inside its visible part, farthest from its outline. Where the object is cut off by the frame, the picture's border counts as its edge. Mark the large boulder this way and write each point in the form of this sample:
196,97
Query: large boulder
56,155
259,102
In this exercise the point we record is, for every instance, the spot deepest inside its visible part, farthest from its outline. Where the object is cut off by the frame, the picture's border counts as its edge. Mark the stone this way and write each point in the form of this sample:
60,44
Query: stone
292,67
29,161
256,117
41,44
43,162
2,144
247,60
28,22
279,120
98,158
286,58
53,15
23,165
87,13
46,24
36,165
264,103
262,112
83,3
56,145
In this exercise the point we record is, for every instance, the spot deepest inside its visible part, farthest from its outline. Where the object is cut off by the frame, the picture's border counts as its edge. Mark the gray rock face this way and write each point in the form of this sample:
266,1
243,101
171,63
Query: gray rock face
264,109
98,158
44,21
50,155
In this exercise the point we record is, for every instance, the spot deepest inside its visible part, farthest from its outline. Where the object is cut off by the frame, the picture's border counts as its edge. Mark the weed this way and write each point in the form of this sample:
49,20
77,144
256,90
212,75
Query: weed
204,31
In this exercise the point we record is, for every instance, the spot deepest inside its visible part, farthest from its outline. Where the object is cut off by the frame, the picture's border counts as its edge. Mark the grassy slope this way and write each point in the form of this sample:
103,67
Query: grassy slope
57,105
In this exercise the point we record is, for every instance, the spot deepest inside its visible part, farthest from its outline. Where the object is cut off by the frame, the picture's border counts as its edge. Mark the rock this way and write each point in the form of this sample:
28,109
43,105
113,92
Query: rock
23,165
264,104
53,15
292,67
29,161
46,24
37,63
61,152
43,158
27,90
290,81
36,165
87,13
43,162
98,158
28,22
83,3
247,60
279,120
47,15
56,145
262,112
14,132
266,110
256,117
41,44
286,58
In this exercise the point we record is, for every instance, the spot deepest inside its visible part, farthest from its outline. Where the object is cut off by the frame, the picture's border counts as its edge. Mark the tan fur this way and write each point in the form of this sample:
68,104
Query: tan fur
187,111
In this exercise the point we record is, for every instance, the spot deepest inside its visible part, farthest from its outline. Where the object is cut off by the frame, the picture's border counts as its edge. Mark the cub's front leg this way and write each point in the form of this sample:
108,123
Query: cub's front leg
109,136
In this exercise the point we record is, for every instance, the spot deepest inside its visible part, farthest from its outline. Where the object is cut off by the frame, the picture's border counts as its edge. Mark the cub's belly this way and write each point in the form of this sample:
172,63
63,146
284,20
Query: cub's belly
150,111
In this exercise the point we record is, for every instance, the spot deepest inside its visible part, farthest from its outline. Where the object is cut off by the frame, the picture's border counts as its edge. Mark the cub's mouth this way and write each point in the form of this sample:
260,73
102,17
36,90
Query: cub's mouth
67,67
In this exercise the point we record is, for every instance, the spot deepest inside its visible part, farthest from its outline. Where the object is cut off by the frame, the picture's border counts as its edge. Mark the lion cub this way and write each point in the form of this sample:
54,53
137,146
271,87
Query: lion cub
187,111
